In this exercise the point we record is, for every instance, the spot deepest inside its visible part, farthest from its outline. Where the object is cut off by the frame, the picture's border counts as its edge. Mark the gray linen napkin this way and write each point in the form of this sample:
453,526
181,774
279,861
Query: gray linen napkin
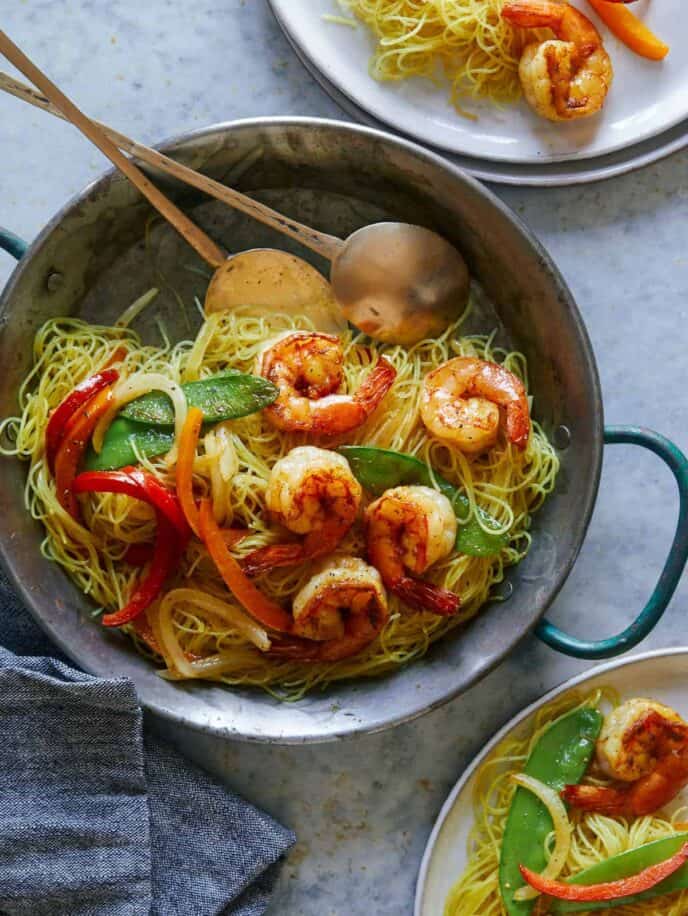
95,819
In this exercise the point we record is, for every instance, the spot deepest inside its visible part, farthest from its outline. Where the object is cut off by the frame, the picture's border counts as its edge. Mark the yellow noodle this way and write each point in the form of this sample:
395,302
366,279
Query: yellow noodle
508,483
463,43
595,837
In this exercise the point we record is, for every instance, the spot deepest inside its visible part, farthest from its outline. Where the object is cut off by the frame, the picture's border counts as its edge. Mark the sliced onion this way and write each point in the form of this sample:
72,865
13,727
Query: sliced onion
135,386
234,616
229,460
562,830
220,492
136,307
197,352
222,463
211,666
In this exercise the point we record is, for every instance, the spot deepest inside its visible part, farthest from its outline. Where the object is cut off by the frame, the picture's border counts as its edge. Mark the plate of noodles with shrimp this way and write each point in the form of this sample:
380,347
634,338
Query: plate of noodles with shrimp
578,805
520,81
272,506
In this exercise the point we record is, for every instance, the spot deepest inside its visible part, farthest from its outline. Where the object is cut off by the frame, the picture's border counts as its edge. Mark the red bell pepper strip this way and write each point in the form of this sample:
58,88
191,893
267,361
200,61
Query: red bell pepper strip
609,890
141,485
63,413
138,554
74,444
256,603
172,535
165,556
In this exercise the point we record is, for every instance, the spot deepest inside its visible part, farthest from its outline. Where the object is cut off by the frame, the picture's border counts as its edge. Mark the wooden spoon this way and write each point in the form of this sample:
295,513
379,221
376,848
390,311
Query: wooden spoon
397,282
262,280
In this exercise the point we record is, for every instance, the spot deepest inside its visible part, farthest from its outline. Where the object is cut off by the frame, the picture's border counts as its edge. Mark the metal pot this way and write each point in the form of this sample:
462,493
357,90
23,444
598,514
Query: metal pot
90,261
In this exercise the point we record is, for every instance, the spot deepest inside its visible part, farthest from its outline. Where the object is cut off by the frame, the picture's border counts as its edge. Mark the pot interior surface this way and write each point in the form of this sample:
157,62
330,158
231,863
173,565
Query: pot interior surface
106,248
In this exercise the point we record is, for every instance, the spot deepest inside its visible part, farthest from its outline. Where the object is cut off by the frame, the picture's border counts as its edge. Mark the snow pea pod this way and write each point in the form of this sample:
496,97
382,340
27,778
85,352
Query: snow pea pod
379,469
625,865
144,426
560,757
125,441
221,397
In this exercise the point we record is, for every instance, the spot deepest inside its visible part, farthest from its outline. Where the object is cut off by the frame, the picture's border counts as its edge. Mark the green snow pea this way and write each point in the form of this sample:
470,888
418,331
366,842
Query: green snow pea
625,865
378,469
144,426
125,441
220,397
560,757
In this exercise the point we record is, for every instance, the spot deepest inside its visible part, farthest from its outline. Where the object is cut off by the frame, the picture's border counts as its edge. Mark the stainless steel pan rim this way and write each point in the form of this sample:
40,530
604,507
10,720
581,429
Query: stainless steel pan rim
318,719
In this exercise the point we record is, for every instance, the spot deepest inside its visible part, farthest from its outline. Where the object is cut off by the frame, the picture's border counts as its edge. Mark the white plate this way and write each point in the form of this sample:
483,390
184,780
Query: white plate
660,675
646,99
553,174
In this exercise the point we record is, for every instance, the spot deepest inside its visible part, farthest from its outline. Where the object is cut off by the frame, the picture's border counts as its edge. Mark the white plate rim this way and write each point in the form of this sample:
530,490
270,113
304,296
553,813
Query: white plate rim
513,723
645,152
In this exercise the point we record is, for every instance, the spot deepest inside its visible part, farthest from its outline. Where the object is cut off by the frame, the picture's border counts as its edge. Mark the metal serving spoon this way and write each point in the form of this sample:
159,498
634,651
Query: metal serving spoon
397,282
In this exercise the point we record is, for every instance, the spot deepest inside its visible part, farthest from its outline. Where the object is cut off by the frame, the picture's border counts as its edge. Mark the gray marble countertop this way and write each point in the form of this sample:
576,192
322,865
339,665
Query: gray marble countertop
363,809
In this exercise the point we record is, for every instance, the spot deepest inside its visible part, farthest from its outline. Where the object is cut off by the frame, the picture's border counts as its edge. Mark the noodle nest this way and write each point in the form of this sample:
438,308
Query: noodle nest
508,483
464,43
594,838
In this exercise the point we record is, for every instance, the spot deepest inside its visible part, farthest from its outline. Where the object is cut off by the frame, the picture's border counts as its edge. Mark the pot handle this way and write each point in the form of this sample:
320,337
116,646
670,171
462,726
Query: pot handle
670,575
12,244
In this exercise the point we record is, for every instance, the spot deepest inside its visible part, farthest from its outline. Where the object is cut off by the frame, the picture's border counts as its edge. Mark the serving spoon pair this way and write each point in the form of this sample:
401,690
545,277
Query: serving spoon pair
397,282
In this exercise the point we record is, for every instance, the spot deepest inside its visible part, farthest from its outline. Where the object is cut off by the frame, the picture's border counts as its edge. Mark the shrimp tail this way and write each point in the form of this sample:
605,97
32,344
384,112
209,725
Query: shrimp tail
423,596
533,14
602,799
517,425
375,386
274,555
295,648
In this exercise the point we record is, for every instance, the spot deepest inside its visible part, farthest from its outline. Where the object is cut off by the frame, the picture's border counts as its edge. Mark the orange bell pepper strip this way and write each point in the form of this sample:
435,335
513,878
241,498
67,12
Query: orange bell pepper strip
73,446
117,356
140,553
267,612
609,890
629,29
185,461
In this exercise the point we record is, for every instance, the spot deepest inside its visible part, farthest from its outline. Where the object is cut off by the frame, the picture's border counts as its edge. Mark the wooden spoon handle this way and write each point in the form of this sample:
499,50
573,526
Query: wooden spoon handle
203,244
326,245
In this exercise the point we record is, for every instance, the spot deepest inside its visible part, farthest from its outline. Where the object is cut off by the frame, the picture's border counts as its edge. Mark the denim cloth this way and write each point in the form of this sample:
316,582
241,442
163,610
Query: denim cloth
98,820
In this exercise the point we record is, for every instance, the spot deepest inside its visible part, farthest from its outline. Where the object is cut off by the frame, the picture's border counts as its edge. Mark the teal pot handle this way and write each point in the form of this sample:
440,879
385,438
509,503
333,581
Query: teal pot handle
672,456
12,244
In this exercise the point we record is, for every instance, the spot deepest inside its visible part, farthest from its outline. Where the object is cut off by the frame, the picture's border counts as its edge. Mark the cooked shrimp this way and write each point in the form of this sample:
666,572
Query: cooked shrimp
307,367
565,77
407,530
644,745
312,492
337,613
462,399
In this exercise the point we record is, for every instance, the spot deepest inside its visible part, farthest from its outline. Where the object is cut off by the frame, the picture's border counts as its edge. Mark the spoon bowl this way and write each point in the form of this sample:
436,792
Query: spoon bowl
265,280
400,283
